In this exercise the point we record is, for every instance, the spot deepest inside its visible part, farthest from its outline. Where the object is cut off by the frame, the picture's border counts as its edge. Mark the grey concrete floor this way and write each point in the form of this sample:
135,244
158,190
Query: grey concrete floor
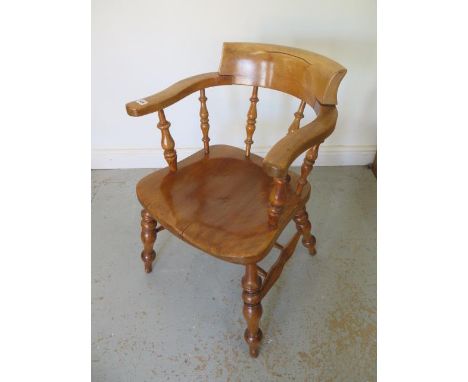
183,322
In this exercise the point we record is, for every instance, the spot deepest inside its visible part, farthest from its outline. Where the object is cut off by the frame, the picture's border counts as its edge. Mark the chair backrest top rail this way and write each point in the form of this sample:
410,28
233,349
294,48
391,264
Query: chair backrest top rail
306,75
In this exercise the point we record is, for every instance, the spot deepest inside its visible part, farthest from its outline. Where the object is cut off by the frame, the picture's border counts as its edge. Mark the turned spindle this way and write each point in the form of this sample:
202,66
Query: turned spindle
303,225
251,295
167,142
148,237
306,167
277,200
204,121
298,115
251,119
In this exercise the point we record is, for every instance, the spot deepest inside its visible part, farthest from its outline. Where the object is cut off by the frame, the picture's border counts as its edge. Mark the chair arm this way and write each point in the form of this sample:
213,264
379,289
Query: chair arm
285,151
175,93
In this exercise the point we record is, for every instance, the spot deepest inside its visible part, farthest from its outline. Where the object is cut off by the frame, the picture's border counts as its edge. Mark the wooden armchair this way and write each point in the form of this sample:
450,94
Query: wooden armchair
231,203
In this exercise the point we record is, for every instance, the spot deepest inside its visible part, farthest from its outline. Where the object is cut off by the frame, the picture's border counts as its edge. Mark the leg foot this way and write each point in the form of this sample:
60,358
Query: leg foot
148,260
251,284
148,237
303,225
254,342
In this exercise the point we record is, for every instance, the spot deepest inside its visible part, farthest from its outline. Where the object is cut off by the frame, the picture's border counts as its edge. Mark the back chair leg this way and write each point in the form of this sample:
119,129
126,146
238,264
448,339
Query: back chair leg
303,225
251,295
148,237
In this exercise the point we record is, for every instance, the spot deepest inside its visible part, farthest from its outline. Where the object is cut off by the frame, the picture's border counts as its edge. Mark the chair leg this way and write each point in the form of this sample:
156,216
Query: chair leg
303,225
148,237
251,284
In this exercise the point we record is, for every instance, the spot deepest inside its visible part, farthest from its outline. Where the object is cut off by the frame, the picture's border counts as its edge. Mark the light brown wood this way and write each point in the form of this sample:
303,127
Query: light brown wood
298,115
278,197
176,92
306,75
251,119
275,271
204,121
303,225
228,202
286,150
148,237
167,143
252,284
218,202
307,166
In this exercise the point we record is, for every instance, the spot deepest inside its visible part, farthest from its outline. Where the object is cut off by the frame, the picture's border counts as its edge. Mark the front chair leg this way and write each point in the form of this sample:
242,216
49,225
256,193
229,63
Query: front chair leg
303,225
251,295
148,237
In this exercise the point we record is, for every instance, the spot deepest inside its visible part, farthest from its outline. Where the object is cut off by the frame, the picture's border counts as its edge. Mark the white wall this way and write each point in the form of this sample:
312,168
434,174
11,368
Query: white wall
140,47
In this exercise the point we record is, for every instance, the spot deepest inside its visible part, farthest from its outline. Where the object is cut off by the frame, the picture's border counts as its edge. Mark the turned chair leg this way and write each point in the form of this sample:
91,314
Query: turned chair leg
303,225
148,237
251,284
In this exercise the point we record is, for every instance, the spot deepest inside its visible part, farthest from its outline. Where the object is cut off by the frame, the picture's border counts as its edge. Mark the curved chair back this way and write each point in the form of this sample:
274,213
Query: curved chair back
303,74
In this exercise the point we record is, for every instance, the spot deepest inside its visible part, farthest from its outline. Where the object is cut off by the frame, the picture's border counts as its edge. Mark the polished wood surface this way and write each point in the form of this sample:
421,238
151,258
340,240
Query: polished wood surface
306,75
274,273
251,295
148,237
175,93
298,115
251,120
306,168
278,198
204,121
229,202
218,202
287,149
167,143
304,226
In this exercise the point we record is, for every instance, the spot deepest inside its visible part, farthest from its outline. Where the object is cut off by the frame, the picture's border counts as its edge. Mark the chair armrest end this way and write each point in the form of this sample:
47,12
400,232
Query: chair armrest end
175,93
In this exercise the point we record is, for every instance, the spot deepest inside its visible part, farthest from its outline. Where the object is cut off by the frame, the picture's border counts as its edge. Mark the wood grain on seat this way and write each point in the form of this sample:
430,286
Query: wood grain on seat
218,203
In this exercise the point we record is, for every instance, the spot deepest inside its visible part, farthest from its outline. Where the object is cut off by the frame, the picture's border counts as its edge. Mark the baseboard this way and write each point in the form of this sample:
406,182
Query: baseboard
153,158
